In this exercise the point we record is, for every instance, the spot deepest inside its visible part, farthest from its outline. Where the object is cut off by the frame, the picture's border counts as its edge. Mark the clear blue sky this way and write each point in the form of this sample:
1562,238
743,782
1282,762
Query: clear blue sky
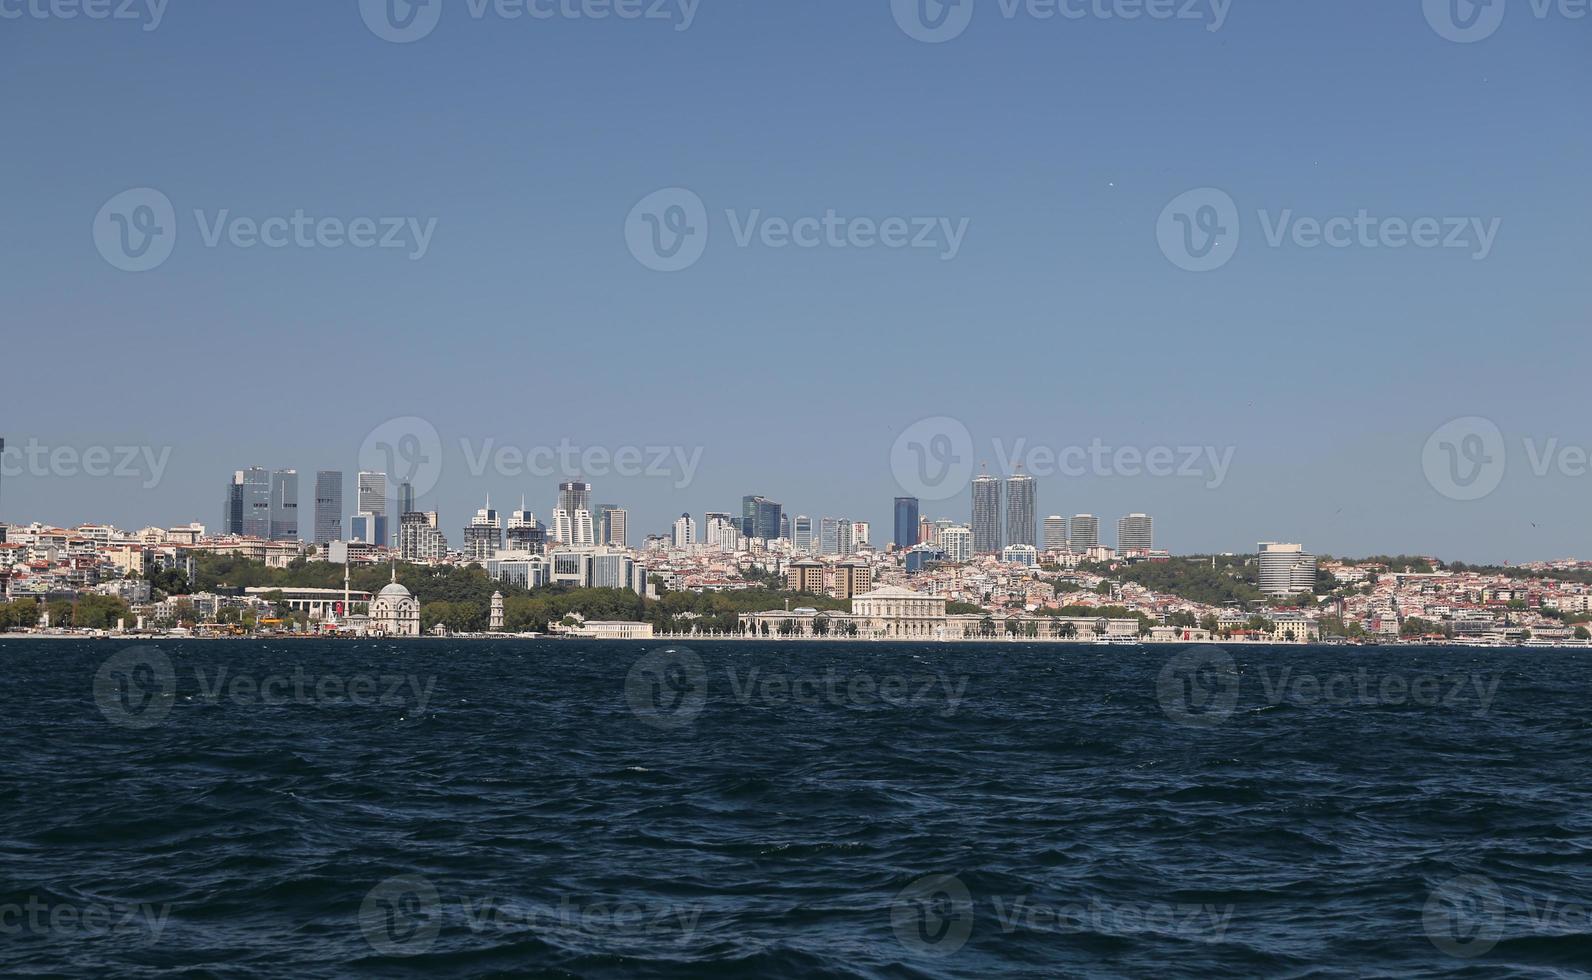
1059,321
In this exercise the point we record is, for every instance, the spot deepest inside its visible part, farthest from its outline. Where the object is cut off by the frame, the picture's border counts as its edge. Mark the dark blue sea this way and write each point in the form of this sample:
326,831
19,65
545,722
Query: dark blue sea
440,808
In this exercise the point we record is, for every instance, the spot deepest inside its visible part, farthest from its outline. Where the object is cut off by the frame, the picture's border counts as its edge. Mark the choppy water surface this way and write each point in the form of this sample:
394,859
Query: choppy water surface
434,808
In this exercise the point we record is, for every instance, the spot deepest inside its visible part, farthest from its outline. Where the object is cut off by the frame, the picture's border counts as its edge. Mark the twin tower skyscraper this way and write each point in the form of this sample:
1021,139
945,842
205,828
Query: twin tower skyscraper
1021,525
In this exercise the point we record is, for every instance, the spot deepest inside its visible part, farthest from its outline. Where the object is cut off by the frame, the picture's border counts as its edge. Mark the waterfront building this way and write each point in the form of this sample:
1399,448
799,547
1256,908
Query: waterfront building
395,611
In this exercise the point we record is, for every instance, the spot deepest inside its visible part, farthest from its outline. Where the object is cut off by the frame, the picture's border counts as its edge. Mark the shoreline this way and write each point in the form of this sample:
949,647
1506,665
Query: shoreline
691,638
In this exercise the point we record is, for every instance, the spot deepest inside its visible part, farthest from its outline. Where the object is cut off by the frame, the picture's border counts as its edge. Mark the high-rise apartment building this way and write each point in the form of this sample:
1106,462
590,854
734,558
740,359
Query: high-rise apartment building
956,543
419,538
1020,527
723,531
1055,533
684,531
1135,533
1084,533
925,531
986,521
483,538
328,506
829,536
806,577
845,541
284,505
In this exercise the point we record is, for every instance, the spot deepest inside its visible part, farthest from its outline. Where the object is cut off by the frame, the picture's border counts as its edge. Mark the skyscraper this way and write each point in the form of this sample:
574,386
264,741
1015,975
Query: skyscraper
828,536
760,518
328,506
257,502
684,531
612,521
1136,532
906,522
372,493
406,499
574,495
232,509
801,530
723,531
1020,527
1055,533
524,532
1085,532
284,505
986,515
1286,569
484,537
